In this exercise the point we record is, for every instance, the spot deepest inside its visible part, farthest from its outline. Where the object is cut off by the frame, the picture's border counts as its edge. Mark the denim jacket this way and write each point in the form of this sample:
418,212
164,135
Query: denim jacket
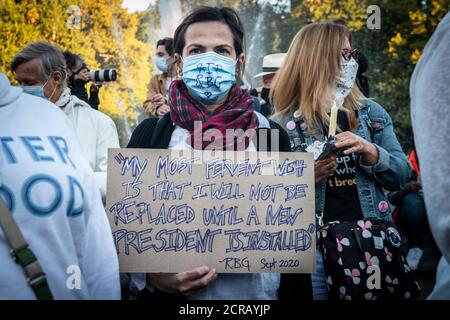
391,172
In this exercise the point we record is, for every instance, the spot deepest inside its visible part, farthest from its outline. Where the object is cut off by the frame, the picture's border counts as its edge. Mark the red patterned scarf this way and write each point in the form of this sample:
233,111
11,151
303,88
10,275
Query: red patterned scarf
236,113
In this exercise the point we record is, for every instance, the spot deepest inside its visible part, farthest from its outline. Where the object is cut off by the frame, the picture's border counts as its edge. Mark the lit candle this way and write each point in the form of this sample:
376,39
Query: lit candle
333,120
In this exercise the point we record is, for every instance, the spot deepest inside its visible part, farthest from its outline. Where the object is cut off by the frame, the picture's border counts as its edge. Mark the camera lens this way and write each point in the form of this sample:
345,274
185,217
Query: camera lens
103,75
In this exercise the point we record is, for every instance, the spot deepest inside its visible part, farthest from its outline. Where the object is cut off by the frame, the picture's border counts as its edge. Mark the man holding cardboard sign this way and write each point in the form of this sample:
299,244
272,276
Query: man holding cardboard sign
230,212
210,110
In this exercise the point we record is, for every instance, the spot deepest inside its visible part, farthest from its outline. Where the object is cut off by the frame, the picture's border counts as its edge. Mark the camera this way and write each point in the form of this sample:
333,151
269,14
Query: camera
103,75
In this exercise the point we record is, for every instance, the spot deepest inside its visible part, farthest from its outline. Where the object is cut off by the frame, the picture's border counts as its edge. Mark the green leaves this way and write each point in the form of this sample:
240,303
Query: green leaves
106,37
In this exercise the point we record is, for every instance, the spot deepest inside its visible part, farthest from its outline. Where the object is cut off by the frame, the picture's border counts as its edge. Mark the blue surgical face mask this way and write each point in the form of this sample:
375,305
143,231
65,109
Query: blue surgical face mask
209,76
161,64
37,91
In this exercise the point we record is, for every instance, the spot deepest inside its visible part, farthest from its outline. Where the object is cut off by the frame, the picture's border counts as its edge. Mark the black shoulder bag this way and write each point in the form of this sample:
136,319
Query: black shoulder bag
362,259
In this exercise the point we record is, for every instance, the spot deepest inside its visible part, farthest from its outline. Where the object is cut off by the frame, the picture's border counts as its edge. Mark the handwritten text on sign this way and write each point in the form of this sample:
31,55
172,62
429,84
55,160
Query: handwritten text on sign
171,211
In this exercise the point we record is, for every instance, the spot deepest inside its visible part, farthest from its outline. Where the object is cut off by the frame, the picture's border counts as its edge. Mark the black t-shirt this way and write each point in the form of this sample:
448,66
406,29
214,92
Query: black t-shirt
341,197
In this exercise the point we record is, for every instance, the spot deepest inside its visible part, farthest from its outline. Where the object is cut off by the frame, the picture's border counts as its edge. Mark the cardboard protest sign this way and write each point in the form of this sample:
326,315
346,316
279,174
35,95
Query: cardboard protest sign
171,211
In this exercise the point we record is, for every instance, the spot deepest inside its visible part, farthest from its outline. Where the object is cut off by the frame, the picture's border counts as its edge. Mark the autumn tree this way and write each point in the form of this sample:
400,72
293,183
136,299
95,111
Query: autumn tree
103,33
393,50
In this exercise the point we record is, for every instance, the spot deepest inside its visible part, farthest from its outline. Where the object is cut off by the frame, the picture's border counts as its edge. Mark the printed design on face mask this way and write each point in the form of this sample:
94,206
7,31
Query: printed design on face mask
345,80
209,76
210,81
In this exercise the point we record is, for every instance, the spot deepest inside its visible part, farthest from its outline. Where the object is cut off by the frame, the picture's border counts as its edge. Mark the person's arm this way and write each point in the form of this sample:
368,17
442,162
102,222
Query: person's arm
153,89
94,100
397,197
142,134
384,161
182,283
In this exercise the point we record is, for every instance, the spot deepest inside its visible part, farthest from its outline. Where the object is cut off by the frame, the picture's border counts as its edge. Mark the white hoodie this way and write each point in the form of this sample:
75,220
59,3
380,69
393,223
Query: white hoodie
50,189
96,133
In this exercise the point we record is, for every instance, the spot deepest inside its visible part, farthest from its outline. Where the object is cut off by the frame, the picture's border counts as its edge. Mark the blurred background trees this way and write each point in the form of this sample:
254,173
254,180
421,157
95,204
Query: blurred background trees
103,33
108,36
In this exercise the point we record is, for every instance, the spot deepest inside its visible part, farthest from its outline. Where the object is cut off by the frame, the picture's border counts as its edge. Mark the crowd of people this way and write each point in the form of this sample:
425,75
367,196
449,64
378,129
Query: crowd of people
54,143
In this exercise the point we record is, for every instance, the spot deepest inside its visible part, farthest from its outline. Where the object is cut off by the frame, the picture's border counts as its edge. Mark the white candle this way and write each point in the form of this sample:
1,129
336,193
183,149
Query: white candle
333,120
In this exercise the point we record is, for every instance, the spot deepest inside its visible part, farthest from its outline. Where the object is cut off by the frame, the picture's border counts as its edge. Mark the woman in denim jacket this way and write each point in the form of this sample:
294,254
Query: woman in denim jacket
319,71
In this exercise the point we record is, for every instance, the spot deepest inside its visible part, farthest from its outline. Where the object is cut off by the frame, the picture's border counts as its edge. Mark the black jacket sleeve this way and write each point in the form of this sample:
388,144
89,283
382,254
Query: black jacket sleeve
142,135
94,100
78,89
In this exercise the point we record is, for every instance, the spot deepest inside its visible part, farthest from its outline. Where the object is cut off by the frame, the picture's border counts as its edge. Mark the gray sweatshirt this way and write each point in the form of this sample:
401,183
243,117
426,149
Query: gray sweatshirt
430,109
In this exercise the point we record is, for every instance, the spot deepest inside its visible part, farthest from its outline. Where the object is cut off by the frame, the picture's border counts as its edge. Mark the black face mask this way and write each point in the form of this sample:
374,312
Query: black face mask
265,94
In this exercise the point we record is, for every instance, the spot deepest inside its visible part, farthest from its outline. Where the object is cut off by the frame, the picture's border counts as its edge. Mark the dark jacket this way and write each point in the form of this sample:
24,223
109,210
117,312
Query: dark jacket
264,106
155,133
78,89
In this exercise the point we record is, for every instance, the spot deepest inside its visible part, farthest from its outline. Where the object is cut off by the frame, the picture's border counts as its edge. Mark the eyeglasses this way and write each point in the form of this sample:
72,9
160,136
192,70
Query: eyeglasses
350,53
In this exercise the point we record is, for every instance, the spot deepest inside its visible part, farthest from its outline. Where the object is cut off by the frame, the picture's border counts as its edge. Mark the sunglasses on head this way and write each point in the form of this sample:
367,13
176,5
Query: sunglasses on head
350,53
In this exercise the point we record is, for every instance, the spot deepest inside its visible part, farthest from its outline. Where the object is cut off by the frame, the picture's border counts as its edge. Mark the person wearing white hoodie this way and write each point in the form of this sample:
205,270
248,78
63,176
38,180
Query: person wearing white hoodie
50,191
430,110
40,69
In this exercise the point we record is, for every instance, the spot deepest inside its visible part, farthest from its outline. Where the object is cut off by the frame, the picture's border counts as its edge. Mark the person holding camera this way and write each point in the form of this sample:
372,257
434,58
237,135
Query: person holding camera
156,104
40,69
78,77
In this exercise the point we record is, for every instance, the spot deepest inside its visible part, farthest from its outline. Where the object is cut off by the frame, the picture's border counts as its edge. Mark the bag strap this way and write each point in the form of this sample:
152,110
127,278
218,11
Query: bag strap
22,254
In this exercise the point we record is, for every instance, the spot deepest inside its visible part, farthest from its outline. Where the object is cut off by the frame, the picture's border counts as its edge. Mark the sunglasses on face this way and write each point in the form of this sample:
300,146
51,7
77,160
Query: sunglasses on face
350,53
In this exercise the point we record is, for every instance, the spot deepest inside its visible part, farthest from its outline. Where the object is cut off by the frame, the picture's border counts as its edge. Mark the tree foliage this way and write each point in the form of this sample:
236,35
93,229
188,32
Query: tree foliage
103,33
109,36
393,50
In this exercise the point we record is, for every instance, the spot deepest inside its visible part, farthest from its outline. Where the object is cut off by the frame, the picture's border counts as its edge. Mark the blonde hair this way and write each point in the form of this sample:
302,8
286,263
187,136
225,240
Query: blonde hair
306,80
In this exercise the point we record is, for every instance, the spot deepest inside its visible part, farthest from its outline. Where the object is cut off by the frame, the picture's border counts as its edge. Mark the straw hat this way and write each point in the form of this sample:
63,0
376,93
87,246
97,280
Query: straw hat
271,64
